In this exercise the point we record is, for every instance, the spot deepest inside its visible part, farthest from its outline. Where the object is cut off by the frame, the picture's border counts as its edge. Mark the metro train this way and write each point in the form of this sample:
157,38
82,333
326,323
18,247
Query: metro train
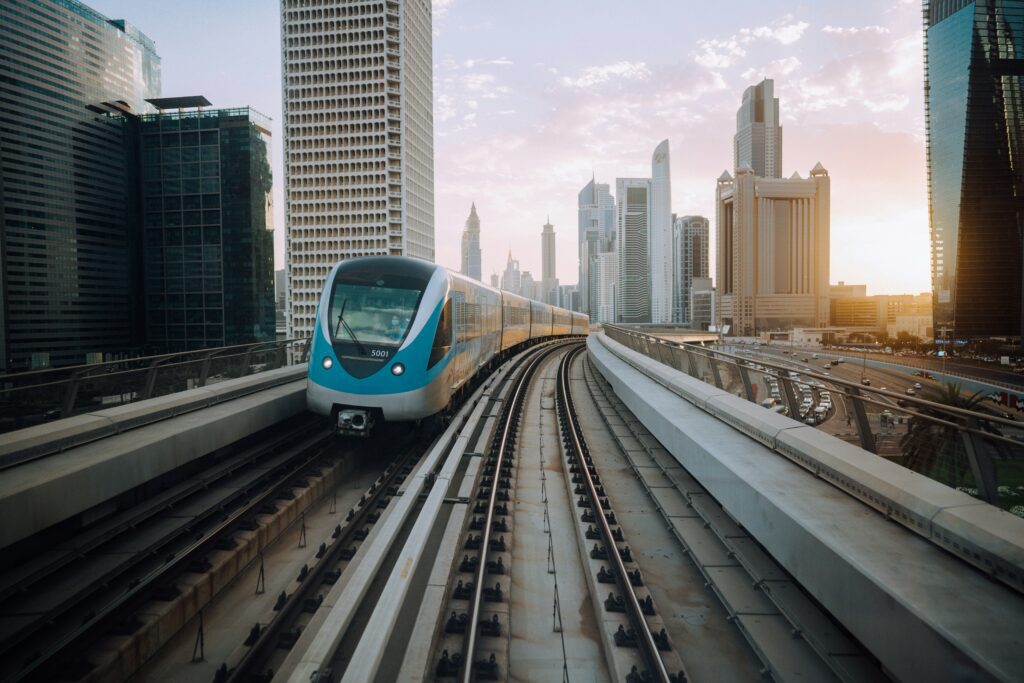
398,338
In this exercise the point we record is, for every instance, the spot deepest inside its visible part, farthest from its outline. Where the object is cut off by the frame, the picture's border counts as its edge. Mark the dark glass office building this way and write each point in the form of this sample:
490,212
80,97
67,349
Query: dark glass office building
208,246
69,182
974,100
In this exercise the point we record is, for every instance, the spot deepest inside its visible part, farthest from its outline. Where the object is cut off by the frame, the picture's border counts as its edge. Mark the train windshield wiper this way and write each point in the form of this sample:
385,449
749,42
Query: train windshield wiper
348,328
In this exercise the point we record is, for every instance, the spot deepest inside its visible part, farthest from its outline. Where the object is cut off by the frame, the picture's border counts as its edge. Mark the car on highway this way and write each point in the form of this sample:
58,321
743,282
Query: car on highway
910,391
917,385
865,381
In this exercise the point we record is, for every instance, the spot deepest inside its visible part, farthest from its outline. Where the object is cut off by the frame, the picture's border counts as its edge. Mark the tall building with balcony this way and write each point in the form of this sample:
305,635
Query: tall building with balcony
974,104
70,284
358,139
596,232
208,240
660,236
471,246
758,140
548,281
605,282
773,251
633,304
690,236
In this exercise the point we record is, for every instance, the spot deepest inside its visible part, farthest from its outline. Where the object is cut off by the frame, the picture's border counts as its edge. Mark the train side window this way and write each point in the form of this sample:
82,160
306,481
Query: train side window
443,336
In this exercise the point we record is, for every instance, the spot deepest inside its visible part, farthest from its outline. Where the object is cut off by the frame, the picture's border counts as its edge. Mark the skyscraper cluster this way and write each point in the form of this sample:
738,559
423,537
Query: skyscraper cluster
632,252
131,223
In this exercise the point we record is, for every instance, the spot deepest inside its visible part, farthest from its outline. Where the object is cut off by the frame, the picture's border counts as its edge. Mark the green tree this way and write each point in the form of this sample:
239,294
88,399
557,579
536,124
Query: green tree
936,450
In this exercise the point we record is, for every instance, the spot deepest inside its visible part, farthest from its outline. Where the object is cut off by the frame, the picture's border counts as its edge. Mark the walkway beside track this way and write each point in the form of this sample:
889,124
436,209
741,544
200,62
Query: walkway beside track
67,467
925,614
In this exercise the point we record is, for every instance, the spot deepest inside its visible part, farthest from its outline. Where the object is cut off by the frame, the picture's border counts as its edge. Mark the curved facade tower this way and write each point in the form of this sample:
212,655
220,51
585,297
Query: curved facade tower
974,103
660,236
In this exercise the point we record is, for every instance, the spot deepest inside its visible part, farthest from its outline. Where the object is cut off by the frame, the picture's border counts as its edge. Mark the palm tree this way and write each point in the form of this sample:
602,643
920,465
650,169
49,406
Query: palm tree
937,451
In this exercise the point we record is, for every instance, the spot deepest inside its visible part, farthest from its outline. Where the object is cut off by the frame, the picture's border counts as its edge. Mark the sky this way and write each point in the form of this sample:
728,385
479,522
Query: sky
534,97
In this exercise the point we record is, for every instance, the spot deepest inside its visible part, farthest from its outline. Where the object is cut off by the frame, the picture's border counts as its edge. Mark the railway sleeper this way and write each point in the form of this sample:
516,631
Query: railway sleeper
606,575
448,666
636,676
462,591
456,623
490,628
486,669
287,639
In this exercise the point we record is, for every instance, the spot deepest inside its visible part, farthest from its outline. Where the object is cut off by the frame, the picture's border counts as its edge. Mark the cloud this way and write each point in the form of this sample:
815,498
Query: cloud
716,53
500,61
855,30
595,75
784,33
719,54
445,107
773,69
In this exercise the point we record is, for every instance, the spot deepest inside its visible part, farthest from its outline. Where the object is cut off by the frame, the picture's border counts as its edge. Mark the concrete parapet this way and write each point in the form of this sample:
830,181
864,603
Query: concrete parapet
38,494
53,437
925,614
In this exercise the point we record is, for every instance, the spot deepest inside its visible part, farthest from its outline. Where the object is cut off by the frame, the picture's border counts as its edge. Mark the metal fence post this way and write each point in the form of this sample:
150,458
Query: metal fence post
748,389
713,362
70,395
147,391
787,389
982,467
691,363
867,438
204,372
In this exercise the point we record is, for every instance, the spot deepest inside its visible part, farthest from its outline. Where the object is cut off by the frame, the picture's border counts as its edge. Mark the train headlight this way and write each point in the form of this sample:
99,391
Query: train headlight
397,369
327,362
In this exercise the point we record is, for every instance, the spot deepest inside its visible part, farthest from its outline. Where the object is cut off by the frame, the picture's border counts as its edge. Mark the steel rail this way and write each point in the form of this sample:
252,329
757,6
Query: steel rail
575,432
137,593
508,429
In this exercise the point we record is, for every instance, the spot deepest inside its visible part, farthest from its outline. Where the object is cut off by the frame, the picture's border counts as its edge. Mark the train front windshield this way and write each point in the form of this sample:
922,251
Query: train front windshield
371,314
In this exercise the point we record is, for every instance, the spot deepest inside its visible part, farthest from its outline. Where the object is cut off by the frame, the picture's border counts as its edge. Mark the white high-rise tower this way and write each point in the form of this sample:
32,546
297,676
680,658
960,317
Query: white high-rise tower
471,246
358,139
660,236
549,283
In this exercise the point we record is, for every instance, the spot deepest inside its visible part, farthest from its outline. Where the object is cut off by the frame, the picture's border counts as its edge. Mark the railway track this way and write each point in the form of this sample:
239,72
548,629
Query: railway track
792,636
65,599
337,624
477,607
645,633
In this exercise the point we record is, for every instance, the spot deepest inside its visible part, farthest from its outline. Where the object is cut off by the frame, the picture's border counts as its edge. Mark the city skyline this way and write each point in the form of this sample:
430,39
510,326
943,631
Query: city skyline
850,80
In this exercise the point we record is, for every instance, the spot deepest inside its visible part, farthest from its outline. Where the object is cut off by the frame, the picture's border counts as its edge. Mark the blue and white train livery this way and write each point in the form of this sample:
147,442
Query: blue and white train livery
398,338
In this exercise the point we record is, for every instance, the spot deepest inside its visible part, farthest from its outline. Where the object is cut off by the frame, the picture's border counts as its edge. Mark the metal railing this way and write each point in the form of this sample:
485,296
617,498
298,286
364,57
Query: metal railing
31,398
976,448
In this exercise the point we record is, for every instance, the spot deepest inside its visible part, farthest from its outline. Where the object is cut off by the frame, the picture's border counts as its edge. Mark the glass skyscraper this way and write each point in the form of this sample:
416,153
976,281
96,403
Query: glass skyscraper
974,100
209,250
68,181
